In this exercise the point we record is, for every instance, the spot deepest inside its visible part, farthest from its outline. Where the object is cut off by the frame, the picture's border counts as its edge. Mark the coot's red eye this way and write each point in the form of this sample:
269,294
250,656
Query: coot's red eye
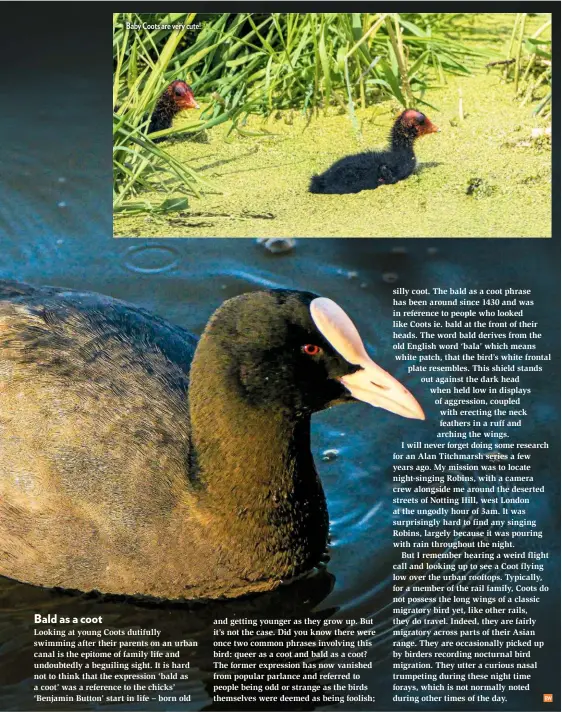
311,349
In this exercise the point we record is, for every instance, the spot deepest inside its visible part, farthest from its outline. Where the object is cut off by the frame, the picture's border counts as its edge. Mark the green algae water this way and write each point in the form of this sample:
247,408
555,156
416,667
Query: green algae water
483,175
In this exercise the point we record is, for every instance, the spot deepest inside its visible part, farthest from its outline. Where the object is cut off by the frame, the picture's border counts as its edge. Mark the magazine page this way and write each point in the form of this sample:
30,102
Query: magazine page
280,413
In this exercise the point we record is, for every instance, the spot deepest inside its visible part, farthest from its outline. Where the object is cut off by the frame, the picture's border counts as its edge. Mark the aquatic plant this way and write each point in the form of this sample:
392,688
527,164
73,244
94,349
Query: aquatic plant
529,64
137,162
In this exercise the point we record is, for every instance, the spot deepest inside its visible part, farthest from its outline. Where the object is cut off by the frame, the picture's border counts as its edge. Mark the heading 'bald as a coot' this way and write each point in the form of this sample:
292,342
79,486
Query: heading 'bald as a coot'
136,460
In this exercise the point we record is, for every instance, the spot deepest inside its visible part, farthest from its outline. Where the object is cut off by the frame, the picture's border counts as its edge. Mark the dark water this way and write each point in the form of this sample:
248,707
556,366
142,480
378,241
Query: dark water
54,229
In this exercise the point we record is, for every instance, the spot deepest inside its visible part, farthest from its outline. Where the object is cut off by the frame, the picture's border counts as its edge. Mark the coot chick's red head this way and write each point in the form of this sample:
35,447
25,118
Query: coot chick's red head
137,459
371,169
178,96
409,126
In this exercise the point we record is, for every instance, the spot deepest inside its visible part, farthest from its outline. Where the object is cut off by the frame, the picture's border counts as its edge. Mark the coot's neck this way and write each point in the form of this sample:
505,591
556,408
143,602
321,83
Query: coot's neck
401,141
255,475
163,113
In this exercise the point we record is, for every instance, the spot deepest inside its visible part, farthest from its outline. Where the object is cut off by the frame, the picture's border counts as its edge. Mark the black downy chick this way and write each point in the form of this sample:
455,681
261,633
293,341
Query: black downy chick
177,97
371,169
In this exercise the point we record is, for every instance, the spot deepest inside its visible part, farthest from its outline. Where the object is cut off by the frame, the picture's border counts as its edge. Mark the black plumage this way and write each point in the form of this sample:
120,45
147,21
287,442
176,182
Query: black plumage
137,459
177,97
371,169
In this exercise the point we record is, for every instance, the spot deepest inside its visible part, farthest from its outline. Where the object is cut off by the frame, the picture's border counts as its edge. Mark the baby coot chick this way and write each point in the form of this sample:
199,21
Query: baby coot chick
369,170
175,98
136,459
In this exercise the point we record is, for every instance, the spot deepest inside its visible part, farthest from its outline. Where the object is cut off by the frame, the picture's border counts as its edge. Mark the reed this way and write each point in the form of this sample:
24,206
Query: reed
533,66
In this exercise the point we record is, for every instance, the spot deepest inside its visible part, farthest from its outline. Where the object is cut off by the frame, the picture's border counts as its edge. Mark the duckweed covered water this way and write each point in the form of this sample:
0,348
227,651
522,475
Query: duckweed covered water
483,176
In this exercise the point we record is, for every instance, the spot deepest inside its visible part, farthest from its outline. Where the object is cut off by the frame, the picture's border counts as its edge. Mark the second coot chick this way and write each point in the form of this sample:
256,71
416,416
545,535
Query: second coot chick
175,98
369,170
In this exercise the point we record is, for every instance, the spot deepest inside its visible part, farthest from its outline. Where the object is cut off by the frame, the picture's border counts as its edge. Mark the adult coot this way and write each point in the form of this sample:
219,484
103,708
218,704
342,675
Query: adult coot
135,459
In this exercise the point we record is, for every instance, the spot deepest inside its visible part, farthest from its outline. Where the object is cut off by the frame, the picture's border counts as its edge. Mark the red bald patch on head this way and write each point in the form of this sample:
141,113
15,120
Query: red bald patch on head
182,95
415,119
411,116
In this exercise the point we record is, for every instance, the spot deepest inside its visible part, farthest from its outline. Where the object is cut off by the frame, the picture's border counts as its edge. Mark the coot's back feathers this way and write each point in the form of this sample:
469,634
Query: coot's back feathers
370,169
